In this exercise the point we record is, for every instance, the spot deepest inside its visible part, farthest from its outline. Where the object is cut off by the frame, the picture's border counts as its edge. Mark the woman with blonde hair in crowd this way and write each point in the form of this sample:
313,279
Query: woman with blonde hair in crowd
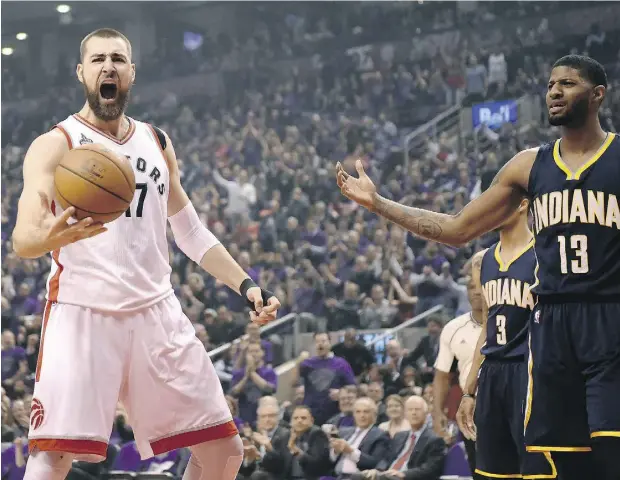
396,413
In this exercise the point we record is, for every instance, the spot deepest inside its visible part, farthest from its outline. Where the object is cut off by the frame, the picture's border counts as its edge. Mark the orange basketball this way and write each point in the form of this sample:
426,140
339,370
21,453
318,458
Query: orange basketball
96,181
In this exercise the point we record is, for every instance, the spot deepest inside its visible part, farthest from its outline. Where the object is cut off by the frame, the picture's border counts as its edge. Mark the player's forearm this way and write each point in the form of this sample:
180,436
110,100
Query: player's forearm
441,384
472,379
429,225
220,264
30,242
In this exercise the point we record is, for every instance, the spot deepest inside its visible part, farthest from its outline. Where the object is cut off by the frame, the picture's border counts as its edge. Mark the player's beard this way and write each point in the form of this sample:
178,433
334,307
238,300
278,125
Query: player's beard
576,117
107,111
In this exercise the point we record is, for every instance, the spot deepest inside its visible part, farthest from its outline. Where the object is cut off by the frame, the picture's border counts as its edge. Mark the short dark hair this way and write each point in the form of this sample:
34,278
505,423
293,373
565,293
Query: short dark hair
303,407
436,319
587,67
350,389
103,33
316,334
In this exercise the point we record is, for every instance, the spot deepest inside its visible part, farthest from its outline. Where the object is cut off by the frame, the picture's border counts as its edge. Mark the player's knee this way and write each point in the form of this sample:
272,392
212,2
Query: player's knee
48,465
223,457
234,446
57,460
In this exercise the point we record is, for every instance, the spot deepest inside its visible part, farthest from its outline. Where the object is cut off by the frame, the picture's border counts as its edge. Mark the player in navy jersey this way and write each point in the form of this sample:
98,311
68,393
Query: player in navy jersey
573,185
505,273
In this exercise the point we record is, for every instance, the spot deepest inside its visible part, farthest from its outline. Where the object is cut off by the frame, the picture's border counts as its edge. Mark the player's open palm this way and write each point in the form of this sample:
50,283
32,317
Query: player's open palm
361,190
465,418
59,233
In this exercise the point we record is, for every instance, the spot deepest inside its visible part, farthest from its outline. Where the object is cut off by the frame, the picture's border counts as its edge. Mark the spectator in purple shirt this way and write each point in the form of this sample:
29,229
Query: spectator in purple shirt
14,460
314,242
14,363
252,330
323,376
252,382
25,302
346,399
431,257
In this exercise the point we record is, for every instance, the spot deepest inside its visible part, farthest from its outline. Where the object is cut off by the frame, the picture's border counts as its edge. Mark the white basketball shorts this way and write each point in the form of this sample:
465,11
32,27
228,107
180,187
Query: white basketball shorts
149,359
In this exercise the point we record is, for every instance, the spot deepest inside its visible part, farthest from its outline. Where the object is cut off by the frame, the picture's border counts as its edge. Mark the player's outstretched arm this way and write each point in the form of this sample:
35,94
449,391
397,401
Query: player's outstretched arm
37,231
480,216
200,245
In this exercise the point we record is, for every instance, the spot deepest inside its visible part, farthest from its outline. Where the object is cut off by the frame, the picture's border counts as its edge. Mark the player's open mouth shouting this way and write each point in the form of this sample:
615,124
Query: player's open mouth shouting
108,90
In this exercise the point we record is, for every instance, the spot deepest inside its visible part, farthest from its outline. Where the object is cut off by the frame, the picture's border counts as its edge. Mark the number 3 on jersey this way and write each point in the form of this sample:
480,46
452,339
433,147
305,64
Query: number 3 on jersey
142,187
579,244
500,323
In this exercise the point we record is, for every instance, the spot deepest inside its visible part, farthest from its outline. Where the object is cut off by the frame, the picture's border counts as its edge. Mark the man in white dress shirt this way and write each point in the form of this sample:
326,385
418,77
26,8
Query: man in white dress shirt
362,447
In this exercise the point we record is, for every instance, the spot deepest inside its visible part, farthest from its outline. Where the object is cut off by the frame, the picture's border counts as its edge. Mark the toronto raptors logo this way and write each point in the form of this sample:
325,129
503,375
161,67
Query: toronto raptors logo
84,140
37,414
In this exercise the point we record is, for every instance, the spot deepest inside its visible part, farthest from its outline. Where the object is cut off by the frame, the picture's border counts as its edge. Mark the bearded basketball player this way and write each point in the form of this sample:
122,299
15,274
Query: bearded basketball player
113,328
573,186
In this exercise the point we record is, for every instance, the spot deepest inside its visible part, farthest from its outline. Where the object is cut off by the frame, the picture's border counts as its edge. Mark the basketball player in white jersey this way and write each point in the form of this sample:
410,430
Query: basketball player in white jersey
113,328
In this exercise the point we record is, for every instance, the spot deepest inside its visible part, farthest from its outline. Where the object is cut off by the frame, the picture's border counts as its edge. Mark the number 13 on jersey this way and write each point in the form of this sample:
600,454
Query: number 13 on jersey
578,245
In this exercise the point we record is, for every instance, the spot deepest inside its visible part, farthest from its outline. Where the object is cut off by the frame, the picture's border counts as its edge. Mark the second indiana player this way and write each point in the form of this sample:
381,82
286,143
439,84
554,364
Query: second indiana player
505,273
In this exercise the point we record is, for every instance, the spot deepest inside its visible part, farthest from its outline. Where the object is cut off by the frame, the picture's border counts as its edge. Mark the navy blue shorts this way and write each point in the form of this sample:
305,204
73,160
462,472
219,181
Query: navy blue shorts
500,446
574,376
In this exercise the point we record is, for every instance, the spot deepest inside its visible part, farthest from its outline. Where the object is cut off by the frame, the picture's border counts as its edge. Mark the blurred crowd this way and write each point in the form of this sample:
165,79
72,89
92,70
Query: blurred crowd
260,172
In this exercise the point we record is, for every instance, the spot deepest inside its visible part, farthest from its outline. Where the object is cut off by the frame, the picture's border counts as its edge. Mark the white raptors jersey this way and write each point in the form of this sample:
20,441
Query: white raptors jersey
127,267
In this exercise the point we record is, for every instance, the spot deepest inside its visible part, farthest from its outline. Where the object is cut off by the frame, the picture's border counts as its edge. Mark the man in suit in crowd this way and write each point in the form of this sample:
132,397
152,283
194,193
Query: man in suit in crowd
288,407
395,364
375,391
346,398
361,447
427,348
415,455
266,455
308,447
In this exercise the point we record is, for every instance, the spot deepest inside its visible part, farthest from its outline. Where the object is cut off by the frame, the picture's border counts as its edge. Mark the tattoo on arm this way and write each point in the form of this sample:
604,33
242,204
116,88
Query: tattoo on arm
426,224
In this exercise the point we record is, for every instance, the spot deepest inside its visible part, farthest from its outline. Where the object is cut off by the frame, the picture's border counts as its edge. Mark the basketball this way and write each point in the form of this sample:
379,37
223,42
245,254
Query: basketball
96,181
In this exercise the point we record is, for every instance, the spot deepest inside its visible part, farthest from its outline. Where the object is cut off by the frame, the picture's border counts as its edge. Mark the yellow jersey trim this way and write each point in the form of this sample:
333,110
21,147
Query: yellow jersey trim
503,267
536,448
605,433
497,475
554,470
541,476
570,175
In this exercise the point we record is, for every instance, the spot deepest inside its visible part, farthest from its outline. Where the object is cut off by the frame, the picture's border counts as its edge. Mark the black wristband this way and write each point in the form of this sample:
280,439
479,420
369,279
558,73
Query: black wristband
245,286
468,395
243,290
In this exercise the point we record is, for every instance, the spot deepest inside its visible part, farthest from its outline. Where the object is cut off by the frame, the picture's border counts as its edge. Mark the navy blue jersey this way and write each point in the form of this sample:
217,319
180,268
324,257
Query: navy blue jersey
577,223
507,291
